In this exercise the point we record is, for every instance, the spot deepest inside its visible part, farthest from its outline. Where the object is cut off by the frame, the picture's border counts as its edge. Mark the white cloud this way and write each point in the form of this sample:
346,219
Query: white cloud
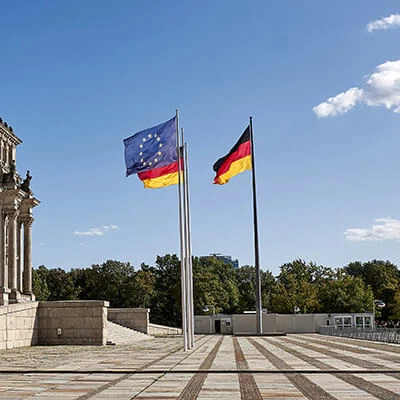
382,88
96,231
90,232
339,104
385,23
383,229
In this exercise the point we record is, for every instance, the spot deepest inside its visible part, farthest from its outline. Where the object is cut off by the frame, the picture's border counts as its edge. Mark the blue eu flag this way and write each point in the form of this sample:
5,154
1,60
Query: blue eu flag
151,148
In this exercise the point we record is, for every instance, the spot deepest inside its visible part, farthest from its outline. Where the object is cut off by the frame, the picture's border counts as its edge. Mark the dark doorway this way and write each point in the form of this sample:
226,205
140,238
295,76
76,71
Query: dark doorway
217,326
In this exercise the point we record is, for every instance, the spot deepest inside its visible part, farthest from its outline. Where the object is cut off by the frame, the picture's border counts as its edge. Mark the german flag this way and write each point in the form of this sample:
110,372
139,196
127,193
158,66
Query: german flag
160,177
236,161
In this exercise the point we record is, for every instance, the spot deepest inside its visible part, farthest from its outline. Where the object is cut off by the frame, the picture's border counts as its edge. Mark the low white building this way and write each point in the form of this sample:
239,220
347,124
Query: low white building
245,324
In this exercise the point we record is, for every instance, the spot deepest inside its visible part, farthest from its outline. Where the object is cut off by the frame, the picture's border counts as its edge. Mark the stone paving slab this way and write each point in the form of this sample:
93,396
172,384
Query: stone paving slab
292,367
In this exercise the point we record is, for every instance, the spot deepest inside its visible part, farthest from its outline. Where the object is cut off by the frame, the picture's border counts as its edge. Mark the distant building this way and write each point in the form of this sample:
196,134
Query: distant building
224,259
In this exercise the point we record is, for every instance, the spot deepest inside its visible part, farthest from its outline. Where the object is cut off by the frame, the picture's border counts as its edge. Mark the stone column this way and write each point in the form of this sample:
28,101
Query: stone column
13,153
19,256
3,263
12,251
28,256
7,160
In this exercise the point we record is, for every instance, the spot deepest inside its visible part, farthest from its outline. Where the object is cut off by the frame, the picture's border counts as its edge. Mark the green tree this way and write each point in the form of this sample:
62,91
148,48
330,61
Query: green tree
395,307
39,284
298,285
214,284
166,302
83,279
268,283
293,293
113,281
143,287
303,271
59,283
245,281
345,293
377,274
382,276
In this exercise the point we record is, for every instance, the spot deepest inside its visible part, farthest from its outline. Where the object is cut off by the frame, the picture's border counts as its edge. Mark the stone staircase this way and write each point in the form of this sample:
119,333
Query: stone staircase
118,334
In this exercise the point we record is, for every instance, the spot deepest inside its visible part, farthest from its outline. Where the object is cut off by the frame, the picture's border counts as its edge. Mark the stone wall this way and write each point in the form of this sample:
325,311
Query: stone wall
134,318
19,325
72,322
245,324
155,329
273,323
300,323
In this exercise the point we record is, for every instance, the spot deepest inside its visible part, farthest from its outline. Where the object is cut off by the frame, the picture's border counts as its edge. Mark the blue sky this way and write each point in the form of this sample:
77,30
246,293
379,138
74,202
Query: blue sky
321,80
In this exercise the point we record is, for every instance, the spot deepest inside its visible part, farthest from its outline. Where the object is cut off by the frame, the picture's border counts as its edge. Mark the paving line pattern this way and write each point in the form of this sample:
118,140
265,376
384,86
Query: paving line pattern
274,368
302,383
192,389
247,383
113,383
156,385
354,380
370,361
271,386
366,344
225,385
386,352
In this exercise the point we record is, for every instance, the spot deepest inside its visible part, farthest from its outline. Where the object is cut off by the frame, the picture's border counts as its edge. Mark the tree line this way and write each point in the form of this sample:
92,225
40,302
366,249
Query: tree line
219,287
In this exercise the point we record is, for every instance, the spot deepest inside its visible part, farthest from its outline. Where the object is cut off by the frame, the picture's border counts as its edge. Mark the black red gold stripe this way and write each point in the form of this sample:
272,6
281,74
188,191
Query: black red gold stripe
161,177
236,161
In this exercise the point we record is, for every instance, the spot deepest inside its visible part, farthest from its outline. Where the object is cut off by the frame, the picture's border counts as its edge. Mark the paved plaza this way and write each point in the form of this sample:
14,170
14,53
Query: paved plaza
219,367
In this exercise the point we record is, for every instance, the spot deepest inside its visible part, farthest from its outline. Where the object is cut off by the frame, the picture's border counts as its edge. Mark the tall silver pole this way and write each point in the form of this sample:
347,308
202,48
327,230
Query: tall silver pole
256,249
189,247
182,249
185,230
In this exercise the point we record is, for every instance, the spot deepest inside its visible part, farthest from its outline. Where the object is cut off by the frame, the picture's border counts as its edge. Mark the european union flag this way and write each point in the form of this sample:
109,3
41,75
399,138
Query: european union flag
151,148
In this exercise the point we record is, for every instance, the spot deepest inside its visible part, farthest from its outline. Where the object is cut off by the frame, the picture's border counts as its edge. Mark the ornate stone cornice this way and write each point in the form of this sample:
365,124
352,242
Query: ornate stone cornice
7,132
12,198
27,204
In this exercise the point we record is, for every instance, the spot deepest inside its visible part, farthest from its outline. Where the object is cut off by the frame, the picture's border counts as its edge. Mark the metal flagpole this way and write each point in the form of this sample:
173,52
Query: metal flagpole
185,229
182,247
189,252
256,249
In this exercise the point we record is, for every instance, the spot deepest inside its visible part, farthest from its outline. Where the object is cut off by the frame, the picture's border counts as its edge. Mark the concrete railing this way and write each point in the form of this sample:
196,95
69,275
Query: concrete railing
155,329
134,318
387,335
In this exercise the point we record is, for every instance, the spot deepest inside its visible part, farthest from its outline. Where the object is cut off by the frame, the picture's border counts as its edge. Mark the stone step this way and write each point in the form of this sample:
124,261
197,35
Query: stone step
118,334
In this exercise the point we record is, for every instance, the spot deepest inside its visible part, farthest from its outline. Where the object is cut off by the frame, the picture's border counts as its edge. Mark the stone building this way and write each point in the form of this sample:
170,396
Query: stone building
16,203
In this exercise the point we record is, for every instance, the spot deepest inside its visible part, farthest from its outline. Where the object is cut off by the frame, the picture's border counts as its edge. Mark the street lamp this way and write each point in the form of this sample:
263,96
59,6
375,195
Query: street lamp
207,309
377,303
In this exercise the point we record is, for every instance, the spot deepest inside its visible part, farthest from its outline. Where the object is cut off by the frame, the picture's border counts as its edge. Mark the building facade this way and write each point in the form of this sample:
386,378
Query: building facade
225,259
16,204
